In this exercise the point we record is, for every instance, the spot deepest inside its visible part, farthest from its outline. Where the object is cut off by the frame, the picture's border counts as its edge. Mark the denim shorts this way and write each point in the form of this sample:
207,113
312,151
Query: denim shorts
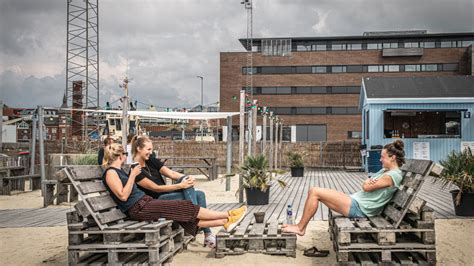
355,211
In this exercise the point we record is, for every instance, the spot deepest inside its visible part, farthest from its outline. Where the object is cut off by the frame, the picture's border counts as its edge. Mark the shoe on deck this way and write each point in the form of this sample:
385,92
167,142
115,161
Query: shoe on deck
238,211
234,221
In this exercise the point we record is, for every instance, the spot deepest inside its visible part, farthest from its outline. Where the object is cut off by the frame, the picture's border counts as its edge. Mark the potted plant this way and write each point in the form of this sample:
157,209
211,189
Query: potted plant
256,180
458,170
295,160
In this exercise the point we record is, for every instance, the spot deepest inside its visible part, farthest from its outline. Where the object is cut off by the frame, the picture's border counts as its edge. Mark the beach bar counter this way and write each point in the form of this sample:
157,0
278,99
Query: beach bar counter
432,115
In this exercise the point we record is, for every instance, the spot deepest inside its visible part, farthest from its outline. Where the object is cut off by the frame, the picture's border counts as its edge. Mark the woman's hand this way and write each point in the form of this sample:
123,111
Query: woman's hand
187,183
135,171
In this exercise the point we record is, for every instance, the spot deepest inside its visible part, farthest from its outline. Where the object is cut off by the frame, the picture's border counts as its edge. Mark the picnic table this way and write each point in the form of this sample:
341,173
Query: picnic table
205,164
13,178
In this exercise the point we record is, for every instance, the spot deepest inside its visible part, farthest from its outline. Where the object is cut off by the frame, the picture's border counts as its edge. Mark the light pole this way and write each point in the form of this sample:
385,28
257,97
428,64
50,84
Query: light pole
202,102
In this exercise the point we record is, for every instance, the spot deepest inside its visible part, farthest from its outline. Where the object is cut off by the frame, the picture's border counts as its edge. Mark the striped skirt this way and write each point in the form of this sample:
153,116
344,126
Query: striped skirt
182,212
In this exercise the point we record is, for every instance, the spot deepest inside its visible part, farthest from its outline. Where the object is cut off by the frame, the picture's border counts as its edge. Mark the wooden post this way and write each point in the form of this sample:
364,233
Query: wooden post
254,127
41,145
229,153
280,144
264,132
275,158
241,141
270,152
249,132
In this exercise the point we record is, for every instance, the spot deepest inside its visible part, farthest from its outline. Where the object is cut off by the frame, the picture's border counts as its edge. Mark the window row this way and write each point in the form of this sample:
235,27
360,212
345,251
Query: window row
306,47
307,90
266,70
315,110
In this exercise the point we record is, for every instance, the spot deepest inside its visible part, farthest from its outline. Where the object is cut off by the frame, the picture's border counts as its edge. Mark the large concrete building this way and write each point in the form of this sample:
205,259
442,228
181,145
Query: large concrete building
313,83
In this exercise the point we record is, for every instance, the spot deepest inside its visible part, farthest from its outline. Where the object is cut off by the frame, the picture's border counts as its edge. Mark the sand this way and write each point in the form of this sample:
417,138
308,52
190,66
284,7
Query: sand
48,245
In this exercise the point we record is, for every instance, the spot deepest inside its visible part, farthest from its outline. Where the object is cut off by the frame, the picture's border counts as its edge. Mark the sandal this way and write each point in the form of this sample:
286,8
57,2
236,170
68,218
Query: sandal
314,252
210,241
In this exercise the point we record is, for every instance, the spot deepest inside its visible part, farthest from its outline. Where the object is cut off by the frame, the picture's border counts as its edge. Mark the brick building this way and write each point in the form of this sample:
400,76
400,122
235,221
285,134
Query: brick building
313,83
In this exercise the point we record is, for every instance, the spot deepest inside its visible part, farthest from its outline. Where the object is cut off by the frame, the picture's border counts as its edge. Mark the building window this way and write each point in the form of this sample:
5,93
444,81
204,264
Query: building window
63,130
448,44
319,69
354,46
338,69
429,45
304,70
411,45
320,47
374,46
375,68
391,68
355,69
311,133
268,90
429,67
338,46
303,47
422,124
391,45
412,68
467,43
450,67
354,134
276,47
303,90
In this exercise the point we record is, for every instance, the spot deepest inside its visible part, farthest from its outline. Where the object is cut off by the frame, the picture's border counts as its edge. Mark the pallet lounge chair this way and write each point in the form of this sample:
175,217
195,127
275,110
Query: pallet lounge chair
403,234
100,233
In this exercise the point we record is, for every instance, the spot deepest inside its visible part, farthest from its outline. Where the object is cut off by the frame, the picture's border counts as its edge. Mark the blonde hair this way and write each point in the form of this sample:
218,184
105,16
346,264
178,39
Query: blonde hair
112,153
138,142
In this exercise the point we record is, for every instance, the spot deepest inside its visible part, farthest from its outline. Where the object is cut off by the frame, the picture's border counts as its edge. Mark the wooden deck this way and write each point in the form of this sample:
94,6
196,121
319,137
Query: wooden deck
295,194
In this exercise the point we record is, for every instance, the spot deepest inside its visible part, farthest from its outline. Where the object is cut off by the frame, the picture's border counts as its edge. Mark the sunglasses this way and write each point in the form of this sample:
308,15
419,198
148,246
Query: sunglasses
125,153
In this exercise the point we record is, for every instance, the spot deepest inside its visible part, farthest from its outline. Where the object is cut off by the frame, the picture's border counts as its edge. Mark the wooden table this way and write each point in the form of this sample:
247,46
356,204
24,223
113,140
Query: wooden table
201,163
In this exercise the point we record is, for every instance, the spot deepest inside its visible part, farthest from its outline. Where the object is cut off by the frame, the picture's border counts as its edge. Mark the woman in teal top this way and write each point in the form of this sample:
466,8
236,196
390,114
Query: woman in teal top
370,201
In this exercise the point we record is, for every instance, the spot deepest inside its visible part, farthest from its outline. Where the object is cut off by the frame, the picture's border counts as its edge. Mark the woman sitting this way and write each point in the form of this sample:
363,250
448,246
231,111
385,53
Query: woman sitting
376,192
139,206
151,181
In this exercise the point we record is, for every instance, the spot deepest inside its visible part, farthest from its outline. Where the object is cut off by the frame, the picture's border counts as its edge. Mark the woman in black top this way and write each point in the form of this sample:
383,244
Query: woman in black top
139,206
152,182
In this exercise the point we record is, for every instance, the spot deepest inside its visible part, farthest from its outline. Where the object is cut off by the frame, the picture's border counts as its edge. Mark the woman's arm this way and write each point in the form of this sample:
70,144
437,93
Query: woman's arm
383,182
170,173
150,185
114,183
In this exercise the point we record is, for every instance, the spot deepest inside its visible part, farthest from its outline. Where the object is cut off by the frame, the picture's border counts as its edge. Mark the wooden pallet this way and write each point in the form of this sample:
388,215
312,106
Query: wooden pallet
417,228
405,227
128,232
252,237
369,258
151,255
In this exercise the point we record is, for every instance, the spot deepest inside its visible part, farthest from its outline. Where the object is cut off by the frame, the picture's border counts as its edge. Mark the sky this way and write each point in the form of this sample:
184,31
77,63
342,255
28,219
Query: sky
162,45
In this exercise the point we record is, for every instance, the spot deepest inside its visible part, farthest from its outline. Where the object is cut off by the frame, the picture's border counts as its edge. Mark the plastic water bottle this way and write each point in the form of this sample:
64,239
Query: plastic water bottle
289,214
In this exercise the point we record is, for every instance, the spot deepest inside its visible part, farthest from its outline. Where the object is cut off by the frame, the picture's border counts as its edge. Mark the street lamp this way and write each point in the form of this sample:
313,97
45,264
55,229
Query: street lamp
202,102
202,92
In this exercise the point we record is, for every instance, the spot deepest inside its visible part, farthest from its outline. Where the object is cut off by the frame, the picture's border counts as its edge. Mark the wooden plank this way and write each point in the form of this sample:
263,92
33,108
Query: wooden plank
91,187
344,224
380,223
85,172
256,229
363,224
401,198
419,166
100,203
392,213
416,205
109,216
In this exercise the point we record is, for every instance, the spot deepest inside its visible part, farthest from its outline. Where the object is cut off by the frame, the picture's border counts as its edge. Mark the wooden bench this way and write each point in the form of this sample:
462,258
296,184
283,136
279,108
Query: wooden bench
403,234
14,178
100,233
211,170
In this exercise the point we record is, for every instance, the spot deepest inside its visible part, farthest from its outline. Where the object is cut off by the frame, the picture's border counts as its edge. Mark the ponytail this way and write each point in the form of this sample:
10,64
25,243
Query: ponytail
112,153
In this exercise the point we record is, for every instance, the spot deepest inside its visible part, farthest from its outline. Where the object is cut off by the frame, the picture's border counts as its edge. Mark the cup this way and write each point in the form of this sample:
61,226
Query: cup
259,217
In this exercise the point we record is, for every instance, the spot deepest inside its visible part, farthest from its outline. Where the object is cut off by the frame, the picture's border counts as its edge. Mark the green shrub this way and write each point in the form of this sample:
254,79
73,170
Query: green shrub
86,159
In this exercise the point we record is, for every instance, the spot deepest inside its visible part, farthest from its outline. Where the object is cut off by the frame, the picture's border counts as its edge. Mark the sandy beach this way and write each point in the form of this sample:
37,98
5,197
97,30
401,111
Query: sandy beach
48,245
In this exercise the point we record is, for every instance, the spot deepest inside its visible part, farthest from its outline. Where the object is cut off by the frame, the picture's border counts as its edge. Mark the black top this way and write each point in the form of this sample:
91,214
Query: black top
152,172
135,195
100,156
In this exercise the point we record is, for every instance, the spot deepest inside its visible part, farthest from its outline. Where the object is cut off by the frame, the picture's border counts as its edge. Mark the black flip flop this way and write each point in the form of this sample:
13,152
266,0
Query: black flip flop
314,252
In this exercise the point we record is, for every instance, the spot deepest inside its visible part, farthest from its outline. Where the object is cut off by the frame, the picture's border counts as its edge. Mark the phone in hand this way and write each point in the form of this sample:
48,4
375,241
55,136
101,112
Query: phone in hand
133,165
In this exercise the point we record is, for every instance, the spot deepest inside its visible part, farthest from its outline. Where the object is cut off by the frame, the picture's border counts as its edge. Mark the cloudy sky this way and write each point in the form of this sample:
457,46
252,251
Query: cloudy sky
167,43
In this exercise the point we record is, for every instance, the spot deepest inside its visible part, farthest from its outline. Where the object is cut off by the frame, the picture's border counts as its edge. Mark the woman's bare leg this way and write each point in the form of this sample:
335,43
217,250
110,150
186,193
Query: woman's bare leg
212,223
206,214
333,199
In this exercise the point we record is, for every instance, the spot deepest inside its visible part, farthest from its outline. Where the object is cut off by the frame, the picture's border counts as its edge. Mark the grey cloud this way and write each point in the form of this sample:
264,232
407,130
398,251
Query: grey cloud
167,43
